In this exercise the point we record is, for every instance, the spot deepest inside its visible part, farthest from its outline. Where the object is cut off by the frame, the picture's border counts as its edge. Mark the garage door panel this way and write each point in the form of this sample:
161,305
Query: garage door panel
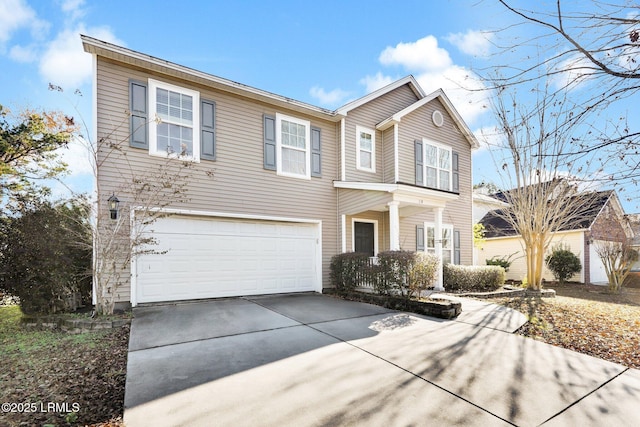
219,257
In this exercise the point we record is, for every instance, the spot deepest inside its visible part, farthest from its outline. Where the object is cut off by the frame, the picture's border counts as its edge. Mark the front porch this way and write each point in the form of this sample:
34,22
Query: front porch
378,217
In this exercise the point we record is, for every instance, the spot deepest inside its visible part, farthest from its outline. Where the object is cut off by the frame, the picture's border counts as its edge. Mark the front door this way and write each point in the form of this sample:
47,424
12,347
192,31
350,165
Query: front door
364,238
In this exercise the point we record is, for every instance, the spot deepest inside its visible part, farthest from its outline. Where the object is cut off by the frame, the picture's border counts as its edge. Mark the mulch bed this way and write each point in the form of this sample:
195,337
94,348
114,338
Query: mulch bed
587,319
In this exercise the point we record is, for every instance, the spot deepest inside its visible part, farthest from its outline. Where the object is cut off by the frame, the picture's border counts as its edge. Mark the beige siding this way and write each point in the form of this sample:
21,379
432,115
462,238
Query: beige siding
388,156
353,201
418,125
500,247
236,182
369,115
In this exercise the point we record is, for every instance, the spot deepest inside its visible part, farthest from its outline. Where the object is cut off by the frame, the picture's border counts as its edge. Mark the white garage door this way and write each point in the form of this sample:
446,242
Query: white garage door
221,257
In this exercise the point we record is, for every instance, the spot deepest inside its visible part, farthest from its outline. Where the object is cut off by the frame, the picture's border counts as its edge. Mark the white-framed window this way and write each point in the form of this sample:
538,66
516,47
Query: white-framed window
293,147
437,165
365,149
175,126
447,241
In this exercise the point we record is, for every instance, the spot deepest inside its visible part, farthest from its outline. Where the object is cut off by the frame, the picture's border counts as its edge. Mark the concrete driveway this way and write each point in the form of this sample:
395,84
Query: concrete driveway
308,359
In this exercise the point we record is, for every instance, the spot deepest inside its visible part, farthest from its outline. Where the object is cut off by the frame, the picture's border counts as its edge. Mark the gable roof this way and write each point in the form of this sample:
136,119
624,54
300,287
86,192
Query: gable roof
444,99
496,225
408,80
141,60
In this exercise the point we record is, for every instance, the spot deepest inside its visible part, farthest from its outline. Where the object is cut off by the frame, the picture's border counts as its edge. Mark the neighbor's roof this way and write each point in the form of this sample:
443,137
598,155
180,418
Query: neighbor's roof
496,225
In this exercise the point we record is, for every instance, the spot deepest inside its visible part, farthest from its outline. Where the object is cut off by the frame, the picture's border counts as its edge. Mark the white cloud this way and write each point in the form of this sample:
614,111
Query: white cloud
489,137
421,55
376,82
570,72
65,63
16,15
476,43
434,70
331,98
23,54
73,8
468,94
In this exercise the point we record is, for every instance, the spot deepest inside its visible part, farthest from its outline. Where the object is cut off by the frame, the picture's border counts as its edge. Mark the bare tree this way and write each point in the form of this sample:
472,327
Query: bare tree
143,193
592,50
617,258
546,194
612,237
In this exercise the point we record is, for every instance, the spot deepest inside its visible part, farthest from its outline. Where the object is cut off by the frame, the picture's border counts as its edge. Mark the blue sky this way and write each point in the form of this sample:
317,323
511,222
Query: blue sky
323,53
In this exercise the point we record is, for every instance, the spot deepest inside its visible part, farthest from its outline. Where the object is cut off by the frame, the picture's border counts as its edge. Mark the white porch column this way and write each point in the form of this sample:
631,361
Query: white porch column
438,241
394,226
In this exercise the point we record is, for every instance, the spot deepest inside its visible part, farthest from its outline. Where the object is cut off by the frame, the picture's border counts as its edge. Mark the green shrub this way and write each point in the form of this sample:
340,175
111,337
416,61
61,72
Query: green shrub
405,273
472,278
45,256
398,273
563,263
347,270
501,261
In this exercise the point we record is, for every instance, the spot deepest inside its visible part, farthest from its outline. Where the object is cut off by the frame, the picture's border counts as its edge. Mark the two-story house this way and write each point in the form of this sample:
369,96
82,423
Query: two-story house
273,187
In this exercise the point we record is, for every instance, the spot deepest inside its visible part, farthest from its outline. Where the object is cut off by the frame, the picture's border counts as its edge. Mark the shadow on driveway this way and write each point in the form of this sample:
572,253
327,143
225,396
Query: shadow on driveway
309,359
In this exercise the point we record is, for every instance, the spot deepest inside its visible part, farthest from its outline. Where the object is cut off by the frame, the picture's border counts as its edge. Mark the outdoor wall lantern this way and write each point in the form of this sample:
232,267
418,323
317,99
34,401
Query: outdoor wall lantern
113,206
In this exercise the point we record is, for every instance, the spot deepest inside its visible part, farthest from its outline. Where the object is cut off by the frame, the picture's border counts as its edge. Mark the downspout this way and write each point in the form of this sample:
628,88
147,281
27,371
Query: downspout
343,170
396,173
95,202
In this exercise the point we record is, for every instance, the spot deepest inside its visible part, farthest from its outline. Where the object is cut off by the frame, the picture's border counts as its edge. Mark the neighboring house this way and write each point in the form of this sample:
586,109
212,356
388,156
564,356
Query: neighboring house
483,203
604,219
634,223
276,186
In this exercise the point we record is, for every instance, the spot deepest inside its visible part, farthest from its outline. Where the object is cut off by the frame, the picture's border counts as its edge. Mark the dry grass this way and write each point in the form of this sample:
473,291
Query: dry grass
587,319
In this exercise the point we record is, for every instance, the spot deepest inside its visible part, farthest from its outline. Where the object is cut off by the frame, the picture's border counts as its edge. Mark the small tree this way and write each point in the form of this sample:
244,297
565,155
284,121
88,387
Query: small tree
144,193
478,235
545,195
28,144
563,263
617,258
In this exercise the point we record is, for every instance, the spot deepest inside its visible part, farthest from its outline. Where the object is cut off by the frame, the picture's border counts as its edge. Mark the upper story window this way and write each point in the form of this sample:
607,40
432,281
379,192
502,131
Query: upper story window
437,165
293,147
176,133
365,149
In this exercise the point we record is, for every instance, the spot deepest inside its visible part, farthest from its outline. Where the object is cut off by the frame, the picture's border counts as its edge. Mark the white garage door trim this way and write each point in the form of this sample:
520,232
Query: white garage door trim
317,285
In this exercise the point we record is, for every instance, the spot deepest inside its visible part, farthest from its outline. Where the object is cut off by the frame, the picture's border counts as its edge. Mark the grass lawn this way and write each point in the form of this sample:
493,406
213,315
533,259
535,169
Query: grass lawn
57,378
587,319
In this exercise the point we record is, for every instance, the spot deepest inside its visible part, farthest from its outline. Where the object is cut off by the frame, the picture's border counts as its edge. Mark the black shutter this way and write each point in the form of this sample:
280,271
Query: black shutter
456,247
419,163
269,142
316,152
455,177
419,238
208,130
139,133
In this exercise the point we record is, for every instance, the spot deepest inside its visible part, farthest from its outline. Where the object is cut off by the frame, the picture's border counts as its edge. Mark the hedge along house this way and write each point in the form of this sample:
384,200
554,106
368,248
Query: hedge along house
273,187
602,219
